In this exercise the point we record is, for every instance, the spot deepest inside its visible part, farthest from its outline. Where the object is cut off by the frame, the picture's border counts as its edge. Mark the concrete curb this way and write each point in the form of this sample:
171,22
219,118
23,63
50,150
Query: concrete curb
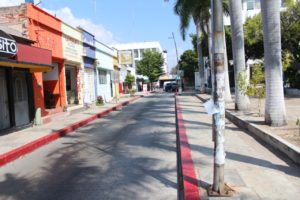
276,142
27,148
187,179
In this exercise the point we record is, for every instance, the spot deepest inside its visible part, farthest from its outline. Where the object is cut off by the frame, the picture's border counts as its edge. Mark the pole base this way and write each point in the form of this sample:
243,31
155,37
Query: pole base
227,192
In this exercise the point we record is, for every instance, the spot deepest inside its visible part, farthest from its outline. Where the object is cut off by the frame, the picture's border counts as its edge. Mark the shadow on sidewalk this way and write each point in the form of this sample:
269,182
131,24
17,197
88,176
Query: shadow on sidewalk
291,169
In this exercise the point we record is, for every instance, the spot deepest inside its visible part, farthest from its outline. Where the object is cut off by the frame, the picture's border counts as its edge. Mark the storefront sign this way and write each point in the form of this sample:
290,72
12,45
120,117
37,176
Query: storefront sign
71,49
8,46
125,57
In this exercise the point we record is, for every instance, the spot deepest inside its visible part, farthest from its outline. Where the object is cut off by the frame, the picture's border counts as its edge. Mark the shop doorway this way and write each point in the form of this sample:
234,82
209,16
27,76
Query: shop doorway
71,85
89,86
4,107
20,98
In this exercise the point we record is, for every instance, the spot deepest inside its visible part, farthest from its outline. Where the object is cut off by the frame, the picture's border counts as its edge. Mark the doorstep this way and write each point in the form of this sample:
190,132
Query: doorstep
71,110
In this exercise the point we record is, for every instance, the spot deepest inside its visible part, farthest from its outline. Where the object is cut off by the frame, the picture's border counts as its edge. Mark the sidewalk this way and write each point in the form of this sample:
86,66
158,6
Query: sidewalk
286,139
254,171
19,143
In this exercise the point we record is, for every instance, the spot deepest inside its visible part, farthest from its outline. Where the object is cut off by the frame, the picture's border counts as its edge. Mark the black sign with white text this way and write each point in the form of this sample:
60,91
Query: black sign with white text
8,46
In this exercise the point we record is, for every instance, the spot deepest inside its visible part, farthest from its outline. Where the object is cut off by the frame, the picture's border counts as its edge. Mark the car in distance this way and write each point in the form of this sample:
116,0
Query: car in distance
171,87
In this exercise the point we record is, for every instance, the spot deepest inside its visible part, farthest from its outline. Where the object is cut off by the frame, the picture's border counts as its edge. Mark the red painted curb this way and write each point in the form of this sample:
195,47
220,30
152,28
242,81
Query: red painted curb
27,148
190,183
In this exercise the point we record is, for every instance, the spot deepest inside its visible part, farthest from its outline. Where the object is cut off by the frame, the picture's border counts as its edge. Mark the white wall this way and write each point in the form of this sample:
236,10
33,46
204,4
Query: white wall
104,90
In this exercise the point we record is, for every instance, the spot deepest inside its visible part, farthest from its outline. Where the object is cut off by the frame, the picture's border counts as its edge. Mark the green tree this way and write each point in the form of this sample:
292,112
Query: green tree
151,65
189,64
129,80
199,11
290,22
290,33
253,34
256,87
204,44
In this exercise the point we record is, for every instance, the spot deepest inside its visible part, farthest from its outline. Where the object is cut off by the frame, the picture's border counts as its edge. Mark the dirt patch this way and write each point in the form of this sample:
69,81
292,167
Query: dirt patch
291,131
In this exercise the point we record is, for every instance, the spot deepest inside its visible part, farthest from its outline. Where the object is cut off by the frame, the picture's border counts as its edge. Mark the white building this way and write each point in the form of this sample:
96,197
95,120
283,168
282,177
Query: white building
130,53
104,69
250,9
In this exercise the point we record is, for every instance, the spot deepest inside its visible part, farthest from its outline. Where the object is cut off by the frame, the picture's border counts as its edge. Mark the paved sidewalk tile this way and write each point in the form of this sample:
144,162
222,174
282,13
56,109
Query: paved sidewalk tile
17,139
251,169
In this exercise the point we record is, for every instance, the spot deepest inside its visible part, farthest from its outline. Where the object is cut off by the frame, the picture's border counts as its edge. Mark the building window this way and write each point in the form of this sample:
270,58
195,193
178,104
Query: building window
253,4
154,49
136,53
102,76
250,5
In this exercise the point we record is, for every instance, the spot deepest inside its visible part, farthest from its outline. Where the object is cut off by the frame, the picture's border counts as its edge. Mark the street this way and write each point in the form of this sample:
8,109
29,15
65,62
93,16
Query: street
129,154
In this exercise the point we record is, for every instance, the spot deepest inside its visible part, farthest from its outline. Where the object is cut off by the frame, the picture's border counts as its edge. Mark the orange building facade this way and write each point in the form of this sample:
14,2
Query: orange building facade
45,30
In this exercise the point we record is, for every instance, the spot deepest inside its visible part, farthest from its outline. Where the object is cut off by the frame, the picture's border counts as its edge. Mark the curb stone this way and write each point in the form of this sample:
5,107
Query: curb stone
187,180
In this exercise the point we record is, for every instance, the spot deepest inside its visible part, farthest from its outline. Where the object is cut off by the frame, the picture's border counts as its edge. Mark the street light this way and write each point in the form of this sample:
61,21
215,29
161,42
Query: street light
177,66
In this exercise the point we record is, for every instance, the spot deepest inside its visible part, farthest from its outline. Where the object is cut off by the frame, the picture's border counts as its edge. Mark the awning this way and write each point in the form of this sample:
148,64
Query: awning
33,67
165,77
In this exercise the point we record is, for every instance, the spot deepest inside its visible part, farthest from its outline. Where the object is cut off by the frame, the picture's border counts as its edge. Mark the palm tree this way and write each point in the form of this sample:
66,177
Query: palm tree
186,9
275,114
238,51
200,12
200,59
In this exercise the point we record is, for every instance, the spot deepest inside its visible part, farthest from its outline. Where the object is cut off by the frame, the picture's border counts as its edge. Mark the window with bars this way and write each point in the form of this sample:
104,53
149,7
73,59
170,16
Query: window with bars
253,4
136,53
250,5
102,76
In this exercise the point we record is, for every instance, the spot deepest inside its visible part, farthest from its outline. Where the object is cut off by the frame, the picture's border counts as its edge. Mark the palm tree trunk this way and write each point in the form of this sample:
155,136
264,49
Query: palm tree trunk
275,114
200,59
211,48
218,96
238,52
227,84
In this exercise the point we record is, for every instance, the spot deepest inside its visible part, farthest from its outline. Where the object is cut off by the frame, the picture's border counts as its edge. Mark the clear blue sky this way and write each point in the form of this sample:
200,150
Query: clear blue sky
130,20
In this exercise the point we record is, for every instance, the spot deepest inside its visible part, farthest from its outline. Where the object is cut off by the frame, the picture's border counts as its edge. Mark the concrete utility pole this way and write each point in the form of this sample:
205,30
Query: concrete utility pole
218,97
175,47
177,66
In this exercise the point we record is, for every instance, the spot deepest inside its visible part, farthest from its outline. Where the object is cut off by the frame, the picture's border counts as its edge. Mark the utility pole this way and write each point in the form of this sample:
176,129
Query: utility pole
219,98
175,47
177,66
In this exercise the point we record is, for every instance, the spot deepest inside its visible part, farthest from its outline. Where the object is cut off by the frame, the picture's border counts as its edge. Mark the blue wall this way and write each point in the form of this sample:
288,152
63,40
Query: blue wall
88,62
89,49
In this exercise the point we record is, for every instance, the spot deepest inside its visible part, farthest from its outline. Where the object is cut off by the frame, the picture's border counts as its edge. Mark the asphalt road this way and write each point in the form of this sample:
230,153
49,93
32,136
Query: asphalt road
129,154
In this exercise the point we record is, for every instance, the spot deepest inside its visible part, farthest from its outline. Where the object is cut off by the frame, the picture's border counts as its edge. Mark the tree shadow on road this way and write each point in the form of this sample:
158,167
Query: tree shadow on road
87,166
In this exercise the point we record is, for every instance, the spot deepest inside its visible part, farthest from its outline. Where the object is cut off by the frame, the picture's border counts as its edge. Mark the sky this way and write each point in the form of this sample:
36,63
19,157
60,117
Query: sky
122,21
